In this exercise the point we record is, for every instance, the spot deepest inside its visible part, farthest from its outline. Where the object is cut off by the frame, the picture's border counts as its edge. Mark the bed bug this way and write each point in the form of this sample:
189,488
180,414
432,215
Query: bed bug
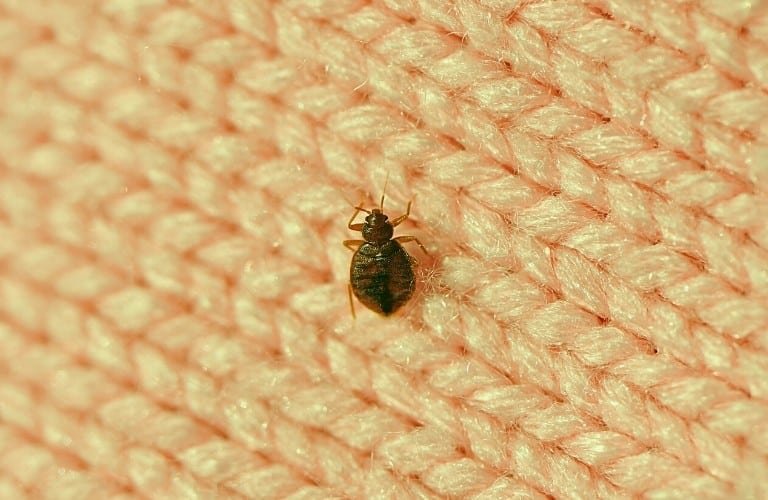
381,273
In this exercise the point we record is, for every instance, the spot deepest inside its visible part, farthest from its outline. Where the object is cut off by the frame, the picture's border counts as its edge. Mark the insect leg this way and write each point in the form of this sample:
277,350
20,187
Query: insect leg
353,244
351,303
400,219
406,239
356,227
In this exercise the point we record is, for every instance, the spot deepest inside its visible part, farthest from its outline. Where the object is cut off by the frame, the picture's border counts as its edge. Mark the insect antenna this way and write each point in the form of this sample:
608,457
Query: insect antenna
356,207
384,192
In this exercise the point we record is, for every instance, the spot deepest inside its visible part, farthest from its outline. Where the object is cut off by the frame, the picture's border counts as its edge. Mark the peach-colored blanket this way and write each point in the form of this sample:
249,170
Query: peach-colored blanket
590,178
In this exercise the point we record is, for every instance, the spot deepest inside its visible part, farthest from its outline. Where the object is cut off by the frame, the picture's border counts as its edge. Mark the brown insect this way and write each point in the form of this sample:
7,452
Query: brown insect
381,273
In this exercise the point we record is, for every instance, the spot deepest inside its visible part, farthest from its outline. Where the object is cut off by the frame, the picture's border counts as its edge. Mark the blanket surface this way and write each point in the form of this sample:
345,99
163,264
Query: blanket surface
588,177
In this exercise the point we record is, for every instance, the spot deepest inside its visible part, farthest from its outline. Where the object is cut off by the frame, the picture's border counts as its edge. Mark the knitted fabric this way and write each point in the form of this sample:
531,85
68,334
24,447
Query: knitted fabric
590,178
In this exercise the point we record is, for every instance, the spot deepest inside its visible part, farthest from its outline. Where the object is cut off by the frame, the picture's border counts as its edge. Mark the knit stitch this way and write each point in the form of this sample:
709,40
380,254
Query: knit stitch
589,176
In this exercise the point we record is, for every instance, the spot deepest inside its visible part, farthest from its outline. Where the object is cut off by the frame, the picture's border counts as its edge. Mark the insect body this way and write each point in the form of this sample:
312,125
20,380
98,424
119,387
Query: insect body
381,274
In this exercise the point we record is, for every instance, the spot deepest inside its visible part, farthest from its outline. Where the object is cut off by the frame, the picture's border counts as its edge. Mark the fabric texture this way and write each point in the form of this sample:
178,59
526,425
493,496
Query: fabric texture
590,179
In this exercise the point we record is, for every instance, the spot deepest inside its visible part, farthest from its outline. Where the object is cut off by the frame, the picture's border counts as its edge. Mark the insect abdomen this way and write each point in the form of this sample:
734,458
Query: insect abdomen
382,276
